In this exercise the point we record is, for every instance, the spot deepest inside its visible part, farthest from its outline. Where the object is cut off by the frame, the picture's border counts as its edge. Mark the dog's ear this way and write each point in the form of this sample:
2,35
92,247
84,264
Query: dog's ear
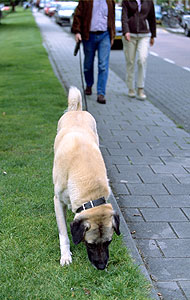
116,223
78,230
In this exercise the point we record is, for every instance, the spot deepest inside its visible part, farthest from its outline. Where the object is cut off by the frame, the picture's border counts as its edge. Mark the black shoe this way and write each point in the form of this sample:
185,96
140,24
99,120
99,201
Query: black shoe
101,99
88,91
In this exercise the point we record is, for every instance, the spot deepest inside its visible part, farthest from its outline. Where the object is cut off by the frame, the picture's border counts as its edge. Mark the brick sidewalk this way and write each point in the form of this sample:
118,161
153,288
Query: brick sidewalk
148,163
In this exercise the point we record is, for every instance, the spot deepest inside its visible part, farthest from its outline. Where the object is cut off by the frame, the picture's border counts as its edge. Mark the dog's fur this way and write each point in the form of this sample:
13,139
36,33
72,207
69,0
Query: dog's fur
79,176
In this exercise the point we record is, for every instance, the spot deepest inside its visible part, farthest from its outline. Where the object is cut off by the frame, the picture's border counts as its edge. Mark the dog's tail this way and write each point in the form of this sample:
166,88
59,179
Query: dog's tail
74,99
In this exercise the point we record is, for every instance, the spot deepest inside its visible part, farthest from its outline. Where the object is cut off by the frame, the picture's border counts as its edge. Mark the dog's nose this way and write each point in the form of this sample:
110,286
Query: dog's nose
101,266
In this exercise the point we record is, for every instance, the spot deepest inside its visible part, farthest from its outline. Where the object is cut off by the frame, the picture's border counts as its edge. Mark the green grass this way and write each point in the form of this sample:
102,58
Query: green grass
31,102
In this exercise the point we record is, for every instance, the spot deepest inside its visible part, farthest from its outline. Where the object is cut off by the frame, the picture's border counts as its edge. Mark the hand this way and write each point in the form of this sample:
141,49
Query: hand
127,36
112,41
151,41
78,37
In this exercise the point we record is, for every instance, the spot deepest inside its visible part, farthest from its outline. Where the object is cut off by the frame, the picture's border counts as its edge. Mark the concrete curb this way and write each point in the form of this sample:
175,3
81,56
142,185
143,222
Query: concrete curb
130,244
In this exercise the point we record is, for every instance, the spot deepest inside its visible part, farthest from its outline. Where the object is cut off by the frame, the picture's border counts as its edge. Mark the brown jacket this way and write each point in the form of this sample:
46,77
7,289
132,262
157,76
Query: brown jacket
134,21
83,15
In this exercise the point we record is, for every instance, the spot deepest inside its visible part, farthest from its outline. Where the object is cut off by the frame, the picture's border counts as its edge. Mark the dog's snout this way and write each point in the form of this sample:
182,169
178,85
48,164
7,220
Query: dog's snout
101,266
98,255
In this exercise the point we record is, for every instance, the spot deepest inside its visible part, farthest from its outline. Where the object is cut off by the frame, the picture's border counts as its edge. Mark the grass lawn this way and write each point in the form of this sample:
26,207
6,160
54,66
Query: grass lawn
31,102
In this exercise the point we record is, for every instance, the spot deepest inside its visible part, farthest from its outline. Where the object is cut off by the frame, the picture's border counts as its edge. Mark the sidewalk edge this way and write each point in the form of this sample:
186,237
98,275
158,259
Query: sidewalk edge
130,245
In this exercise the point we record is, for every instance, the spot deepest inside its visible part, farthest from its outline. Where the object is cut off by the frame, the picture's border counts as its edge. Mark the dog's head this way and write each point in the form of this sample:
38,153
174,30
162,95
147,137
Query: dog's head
95,227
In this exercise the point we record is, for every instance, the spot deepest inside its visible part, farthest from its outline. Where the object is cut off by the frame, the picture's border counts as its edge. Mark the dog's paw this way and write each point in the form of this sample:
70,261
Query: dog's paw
66,259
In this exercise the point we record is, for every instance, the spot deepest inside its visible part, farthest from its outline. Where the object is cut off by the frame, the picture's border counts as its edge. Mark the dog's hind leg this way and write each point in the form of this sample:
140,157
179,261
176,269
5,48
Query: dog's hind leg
60,211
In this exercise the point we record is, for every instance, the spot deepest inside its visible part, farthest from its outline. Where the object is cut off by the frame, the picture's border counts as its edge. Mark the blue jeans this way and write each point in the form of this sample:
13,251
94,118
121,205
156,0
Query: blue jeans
101,43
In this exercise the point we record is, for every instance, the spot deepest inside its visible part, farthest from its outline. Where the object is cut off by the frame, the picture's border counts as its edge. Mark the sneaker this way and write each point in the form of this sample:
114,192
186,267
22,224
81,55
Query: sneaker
88,91
131,94
101,99
140,94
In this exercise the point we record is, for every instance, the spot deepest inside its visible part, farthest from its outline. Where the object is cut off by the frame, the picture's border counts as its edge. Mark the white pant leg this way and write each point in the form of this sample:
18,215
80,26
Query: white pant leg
130,49
142,50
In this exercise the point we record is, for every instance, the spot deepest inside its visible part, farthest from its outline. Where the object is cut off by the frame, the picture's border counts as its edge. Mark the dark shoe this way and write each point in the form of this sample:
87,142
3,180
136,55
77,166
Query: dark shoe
101,99
88,91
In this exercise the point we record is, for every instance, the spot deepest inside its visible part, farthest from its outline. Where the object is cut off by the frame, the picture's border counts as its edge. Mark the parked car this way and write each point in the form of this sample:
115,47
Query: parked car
64,11
158,13
185,23
50,8
42,3
4,8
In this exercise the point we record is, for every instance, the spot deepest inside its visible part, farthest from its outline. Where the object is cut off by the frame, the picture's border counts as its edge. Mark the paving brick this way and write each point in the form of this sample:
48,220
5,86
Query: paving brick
115,138
188,170
111,125
170,291
173,131
120,188
132,215
185,285
187,212
170,169
183,178
170,145
167,269
111,145
154,131
152,230
181,161
131,169
148,248
125,152
137,138
184,146
158,178
104,151
116,159
140,146
180,152
178,189
172,201
175,247
123,177
147,189
182,229
154,152
141,160
136,201
163,215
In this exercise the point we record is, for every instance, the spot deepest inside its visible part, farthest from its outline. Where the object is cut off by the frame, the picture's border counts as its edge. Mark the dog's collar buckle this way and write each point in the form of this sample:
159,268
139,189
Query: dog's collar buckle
91,204
84,205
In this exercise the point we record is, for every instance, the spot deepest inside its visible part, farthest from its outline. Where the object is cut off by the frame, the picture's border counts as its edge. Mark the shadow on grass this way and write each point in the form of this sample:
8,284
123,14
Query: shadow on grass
17,26
17,21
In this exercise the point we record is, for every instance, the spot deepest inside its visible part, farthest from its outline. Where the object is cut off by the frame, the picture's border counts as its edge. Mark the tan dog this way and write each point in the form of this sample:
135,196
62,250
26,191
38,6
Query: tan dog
80,182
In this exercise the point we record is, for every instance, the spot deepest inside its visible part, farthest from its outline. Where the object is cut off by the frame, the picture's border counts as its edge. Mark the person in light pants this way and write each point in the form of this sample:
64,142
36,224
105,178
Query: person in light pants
139,30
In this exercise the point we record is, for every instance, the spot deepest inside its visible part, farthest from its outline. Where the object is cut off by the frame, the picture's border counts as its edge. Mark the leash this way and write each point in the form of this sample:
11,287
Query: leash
77,48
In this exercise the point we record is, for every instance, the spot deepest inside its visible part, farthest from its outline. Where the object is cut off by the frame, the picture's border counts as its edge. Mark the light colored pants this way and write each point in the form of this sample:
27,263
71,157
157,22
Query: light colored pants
137,46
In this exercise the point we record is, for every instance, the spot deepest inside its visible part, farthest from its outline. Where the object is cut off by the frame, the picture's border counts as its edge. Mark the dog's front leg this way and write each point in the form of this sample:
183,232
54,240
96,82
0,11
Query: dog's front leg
60,211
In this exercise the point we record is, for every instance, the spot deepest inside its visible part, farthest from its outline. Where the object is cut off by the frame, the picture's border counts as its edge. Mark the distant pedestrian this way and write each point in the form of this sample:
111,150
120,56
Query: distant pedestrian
139,31
94,24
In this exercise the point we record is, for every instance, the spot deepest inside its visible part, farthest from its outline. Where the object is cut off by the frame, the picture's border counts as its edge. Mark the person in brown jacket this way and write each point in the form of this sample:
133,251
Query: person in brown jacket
94,25
139,31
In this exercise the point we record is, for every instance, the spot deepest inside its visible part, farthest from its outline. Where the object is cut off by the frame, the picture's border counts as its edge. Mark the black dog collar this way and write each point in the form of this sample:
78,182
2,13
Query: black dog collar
91,204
